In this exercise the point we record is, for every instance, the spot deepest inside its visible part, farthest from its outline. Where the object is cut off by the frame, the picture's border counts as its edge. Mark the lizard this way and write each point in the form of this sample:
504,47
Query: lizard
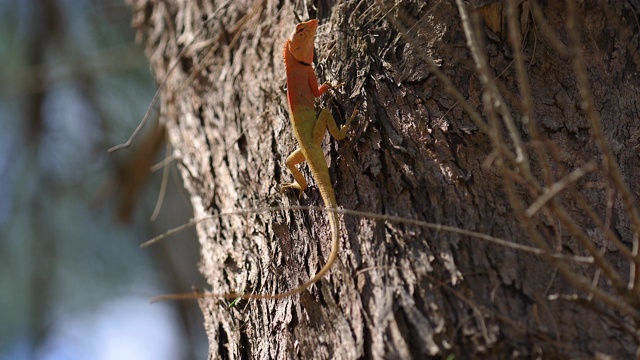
309,130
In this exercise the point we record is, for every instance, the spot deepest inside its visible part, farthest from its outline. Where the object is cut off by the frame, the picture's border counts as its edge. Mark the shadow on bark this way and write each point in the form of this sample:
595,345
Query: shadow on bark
511,118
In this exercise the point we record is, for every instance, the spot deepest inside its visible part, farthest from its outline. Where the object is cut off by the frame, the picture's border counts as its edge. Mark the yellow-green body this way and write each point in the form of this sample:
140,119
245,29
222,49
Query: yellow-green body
309,130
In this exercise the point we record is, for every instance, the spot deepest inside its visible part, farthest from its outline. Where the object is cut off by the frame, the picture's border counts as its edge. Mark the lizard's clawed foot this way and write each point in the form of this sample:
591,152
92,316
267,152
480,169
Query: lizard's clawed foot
293,185
331,87
355,112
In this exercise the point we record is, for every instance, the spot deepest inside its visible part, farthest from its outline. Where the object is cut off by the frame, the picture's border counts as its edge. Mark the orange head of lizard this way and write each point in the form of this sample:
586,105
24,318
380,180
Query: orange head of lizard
301,41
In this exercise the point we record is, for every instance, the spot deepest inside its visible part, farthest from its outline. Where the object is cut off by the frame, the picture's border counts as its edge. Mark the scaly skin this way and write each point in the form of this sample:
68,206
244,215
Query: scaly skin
302,89
302,86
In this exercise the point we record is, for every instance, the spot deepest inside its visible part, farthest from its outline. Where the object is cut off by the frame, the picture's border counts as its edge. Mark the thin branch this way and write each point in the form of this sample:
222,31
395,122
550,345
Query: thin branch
547,30
389,218
525,90
497,100
588,105
558,186
164,80
163,185
580,282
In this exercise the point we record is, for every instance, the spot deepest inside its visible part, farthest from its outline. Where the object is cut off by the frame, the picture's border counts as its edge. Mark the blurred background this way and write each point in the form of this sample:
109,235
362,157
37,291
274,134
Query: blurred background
74,283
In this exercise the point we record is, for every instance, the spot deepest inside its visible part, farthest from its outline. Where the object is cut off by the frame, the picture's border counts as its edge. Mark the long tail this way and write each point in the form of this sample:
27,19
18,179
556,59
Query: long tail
335,249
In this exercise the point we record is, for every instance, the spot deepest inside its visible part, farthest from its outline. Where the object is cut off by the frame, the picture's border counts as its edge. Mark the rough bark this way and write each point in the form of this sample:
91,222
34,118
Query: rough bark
401,291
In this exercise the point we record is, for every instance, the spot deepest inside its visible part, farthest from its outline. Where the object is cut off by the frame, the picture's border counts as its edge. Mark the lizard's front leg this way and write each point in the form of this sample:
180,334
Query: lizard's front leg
326,121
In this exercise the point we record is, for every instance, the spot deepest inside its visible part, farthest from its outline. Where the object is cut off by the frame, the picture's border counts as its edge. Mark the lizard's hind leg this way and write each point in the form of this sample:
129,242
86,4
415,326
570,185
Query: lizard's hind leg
300,183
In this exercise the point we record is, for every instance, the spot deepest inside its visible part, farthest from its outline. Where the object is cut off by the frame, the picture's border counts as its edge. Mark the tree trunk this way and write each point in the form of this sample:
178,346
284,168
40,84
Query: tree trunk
511,147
